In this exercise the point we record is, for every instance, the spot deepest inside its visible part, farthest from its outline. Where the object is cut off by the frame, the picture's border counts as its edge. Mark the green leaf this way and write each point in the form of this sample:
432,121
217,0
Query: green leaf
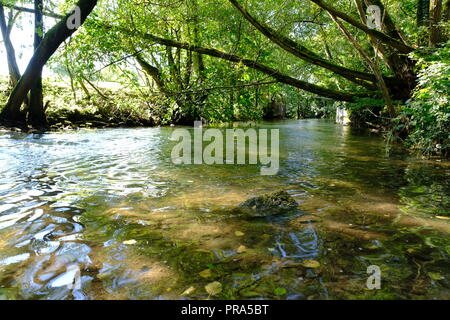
280,291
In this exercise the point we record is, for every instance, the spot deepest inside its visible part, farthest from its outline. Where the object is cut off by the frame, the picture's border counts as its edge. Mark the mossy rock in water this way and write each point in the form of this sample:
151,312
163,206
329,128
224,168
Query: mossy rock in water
268,205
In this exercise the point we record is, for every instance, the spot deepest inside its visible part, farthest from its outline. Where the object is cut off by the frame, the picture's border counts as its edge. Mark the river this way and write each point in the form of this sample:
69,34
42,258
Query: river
105,214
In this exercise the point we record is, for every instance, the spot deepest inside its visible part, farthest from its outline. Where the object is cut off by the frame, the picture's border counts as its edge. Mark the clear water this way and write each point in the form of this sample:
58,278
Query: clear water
104,214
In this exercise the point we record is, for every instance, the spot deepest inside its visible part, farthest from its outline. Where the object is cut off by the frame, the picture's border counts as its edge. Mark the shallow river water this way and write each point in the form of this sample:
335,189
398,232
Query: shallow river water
104,214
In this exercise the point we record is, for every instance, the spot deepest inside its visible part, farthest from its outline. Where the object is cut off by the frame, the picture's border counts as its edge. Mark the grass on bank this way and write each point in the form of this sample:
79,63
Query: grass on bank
106,105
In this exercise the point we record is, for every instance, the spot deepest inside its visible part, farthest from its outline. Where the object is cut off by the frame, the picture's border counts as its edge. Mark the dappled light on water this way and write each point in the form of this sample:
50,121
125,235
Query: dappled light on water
104,214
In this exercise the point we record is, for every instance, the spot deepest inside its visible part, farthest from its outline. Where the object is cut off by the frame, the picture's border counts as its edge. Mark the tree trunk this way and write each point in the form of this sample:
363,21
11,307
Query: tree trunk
50,43
373,65
36,116
154,73
435,19
423,12
14,73
173,67
400,64
423,20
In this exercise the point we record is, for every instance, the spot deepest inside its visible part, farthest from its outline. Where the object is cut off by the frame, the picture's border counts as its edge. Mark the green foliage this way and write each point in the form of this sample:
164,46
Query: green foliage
364,103
194,86
115,107
367,112
426,117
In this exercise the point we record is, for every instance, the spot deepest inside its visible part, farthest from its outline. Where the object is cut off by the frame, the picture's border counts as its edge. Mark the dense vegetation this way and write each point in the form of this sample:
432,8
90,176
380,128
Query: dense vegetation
177,61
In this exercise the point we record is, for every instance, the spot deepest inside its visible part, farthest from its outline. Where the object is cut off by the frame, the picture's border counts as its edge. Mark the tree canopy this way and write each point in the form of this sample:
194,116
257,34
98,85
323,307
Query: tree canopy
220,60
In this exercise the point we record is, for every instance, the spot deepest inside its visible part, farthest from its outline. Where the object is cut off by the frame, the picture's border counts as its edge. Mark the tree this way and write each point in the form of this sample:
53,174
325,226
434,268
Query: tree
423,12
325,92
48,46
36,116
388,42
184,50
6,27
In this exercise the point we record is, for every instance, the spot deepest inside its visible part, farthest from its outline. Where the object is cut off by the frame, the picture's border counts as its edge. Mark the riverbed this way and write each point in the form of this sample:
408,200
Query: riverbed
105,214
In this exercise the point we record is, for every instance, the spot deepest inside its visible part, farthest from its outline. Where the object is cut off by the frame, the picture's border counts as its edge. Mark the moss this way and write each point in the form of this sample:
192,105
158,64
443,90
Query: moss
268,205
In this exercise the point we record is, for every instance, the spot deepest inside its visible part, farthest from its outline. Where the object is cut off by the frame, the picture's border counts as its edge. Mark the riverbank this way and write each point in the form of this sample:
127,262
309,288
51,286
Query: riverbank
421,124
103,105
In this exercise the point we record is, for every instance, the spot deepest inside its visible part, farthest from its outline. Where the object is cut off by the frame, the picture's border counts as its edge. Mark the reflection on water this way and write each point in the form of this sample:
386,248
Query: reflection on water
105,215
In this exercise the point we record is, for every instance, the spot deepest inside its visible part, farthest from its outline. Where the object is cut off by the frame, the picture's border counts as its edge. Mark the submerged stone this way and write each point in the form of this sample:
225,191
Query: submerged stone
268,205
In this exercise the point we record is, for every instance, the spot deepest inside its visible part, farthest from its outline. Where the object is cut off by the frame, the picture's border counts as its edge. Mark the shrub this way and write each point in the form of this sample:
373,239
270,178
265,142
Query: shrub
426,116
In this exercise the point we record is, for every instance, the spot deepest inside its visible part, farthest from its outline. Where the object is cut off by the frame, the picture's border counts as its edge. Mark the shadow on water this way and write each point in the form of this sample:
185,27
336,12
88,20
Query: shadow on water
106,215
